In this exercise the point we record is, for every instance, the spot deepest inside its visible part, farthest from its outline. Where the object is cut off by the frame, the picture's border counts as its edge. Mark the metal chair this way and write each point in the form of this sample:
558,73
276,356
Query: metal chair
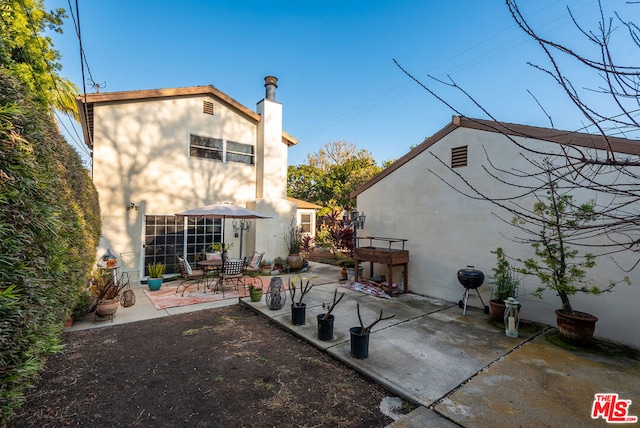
232,271
190,276
252,267
130,263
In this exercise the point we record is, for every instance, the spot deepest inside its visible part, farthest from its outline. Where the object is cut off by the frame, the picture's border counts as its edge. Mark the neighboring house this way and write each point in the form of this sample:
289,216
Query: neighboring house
447,231
162,151
306,215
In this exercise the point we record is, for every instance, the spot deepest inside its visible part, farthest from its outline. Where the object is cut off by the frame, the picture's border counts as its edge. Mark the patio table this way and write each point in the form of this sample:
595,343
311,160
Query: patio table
209,267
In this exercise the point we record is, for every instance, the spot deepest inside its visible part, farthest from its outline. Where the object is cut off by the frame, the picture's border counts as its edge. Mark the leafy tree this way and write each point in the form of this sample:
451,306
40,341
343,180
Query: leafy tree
331,174
28,55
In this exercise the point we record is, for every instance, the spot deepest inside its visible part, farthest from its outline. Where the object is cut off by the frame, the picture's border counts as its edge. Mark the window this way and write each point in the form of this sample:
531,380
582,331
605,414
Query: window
204,147
166,237
458,156
242,153
305,223
222,150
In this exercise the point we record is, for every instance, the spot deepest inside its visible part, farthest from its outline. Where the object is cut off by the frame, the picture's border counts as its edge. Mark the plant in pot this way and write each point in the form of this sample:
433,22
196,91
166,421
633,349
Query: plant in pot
155,276
360,335
105,287
298,309
280,264
266,267
558,266
293,240
325,320
255,292
216,250
505,284
348,267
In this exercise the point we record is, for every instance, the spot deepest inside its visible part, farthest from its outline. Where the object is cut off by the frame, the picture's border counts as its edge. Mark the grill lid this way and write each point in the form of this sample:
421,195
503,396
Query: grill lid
470,277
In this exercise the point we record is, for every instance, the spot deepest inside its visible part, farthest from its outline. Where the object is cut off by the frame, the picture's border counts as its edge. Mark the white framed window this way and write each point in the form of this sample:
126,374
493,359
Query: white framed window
221,150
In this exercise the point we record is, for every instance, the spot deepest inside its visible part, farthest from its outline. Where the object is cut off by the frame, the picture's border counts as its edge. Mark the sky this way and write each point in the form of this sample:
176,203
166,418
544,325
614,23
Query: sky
334,60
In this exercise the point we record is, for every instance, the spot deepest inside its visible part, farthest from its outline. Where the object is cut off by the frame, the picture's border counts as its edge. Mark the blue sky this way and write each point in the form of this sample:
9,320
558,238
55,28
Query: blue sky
334,60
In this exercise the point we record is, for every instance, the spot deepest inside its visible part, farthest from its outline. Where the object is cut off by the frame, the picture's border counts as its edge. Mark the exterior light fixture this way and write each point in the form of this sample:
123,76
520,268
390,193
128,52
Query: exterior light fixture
239,226
511,317
357,222
133,206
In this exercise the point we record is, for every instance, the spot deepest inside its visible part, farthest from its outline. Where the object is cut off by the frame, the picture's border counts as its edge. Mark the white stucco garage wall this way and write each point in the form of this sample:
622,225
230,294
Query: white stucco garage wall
448,231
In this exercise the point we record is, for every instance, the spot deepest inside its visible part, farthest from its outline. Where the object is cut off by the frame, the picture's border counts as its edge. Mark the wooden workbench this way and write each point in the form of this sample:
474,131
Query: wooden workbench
386,255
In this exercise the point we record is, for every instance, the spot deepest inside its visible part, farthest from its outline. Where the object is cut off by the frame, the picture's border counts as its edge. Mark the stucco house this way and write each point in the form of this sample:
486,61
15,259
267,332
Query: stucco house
448,231
306,215
162,151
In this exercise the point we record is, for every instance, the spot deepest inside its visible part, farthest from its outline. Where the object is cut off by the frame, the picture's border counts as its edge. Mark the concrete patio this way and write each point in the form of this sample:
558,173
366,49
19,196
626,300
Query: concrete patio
460,370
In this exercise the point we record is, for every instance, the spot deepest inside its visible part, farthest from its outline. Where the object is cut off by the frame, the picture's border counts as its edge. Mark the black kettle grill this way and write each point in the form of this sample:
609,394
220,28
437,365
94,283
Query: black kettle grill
470,279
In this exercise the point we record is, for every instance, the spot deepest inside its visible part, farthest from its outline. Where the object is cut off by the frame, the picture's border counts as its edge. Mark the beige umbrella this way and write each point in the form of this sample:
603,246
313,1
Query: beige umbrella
223,210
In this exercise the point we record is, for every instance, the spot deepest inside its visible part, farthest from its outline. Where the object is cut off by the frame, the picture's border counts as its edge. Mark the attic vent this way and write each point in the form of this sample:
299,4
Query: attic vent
458,156
207,107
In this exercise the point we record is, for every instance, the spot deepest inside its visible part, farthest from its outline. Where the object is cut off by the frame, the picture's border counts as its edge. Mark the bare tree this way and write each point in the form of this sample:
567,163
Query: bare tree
611,175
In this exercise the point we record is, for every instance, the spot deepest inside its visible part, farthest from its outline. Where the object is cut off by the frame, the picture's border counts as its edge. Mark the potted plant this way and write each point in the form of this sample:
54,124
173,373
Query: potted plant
505,284
293,241
215,251
155,276
558,266
348,268
105,287
325,320
265,266
360,335
298,309
255,292
280,264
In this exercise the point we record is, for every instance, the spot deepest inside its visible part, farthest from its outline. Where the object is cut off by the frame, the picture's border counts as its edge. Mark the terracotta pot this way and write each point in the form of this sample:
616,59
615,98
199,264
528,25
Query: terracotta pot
107,308
294,261
576,327
497,309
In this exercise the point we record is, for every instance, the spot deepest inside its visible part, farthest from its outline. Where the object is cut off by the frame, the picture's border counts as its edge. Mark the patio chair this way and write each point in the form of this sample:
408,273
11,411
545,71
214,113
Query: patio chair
232,272
253,266
190,276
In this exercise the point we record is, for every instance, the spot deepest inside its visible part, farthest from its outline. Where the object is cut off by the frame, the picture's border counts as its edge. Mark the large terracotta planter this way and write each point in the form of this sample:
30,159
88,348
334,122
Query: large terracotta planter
107,308
294,261
576,327
497,309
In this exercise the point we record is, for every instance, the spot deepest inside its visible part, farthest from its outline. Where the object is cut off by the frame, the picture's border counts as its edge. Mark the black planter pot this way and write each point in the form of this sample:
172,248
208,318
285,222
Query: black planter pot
359,343
298,314
325,327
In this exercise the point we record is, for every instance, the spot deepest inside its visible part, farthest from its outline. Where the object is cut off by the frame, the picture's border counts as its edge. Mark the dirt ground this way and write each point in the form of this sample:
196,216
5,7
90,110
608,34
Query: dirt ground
226,367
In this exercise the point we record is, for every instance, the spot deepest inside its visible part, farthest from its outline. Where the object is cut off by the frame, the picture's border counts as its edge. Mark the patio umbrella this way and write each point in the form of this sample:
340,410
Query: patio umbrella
223,210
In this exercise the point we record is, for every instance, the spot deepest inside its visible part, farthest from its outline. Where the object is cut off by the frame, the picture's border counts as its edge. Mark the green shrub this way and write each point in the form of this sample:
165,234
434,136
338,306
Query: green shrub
49,230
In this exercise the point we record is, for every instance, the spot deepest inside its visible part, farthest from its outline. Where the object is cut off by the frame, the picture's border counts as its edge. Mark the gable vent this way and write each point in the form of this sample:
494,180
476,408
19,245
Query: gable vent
458,156
207,107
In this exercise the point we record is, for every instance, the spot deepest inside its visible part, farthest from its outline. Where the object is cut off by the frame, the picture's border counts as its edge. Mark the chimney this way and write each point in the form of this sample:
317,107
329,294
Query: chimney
270,82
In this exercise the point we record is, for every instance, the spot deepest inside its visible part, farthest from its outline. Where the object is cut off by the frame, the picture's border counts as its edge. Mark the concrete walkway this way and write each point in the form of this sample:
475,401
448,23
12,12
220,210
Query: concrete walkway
460,370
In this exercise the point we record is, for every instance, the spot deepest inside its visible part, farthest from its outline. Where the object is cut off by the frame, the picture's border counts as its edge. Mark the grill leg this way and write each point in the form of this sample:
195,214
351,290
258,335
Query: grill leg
465,299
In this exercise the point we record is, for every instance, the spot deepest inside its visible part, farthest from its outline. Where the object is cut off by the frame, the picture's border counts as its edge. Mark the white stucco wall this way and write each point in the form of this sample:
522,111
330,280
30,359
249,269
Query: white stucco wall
448,231
141,156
